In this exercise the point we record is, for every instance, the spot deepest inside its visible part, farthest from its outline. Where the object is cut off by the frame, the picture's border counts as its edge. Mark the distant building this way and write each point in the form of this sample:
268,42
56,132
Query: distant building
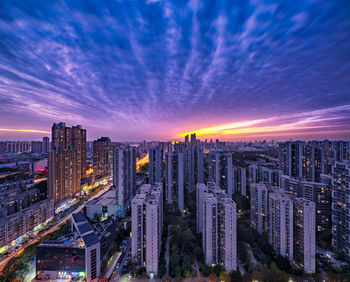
124,177
175,178
102,157
221,171
290,157
37,147
193,140
46,144
240,180
260,173
155,169
259,196
146,226
310,160
319,193
15,146
194,167
186,139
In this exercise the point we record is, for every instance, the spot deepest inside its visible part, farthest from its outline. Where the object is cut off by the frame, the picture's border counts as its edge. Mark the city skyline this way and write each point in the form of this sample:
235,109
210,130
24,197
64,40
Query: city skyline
157,70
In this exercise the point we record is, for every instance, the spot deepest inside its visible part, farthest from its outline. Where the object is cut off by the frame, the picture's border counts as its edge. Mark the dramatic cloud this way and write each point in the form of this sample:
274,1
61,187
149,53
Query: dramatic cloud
151,69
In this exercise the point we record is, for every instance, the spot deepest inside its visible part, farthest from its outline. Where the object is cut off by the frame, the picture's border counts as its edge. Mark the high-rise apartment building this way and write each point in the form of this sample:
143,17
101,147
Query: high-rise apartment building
201,190
194,167
317,192
193,140
290,156
260,173
124,177
219,230
342,148
79,143
66,161
240,180
63,174
72,138
155,164
259,195
46,144
186,140
304,234
175,178
102,157
310,160
340,208
146,226
281,224
36,147
221,171
15,146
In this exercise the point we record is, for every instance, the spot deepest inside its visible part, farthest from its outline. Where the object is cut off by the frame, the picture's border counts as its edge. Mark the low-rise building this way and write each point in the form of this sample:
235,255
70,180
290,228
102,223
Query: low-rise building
77,255
103,206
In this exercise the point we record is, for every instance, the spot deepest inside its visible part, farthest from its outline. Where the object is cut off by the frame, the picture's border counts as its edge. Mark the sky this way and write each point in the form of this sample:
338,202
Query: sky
156,70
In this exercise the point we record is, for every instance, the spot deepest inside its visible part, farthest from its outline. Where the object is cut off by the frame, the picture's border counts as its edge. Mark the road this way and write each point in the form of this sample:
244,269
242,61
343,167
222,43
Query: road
116,275
240,268
166,255
111,265
52,229
252,257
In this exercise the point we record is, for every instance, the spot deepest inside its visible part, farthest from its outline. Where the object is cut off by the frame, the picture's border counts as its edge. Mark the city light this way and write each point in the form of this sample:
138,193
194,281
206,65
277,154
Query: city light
141,162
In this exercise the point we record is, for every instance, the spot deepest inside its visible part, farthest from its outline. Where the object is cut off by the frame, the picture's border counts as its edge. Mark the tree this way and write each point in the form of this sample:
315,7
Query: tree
235,276
187,261
187,239
198,253
178,270
161,270
242,252
283,263
217,269
204,269
174,262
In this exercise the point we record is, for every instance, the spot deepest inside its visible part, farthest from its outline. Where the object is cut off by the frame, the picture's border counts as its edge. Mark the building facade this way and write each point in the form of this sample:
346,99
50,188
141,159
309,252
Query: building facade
281,225
259,195
305,234
102,157
340,208
156,160
146,226
66,161
218,224
124,177
175,178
